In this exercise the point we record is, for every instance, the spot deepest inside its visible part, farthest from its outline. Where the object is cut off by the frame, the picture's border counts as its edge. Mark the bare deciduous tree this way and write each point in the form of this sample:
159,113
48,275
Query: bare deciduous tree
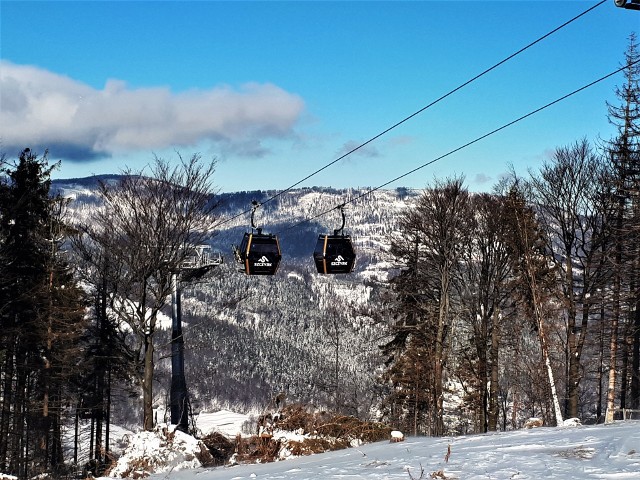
567,193
536,280
485,295
144,230
439,225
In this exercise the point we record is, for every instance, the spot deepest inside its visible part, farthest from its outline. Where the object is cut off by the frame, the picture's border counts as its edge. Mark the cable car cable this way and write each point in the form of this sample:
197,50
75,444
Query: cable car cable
477,139
437,100
397,124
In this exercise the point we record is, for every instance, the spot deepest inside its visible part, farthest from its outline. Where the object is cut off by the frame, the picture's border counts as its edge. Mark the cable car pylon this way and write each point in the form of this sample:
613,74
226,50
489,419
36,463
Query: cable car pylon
334,254
196,263
259,253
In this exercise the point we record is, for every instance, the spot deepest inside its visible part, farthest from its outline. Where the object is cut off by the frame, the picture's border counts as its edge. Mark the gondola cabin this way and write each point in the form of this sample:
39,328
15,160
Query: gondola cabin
260,253
334,254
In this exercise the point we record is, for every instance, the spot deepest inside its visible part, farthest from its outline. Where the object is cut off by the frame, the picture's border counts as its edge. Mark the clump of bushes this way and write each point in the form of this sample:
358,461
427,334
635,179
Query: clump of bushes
296,430
220,447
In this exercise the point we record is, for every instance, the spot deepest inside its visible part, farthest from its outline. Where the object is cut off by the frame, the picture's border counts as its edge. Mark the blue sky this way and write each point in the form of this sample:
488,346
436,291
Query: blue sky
276,90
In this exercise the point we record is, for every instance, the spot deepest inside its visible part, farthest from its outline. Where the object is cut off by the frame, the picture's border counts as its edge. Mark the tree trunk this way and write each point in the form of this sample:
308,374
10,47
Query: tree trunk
615,318
613,352
543,341
147,383
438,373
573,378
57,454
543,344
547,362
17,437
483,374
98,411
481,335
107,412
635,362
8,396
493,359
624,370
574,374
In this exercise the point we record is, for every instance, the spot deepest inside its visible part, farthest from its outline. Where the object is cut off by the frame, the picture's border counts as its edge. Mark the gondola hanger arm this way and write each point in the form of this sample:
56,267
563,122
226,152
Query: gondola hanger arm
256,205
338,231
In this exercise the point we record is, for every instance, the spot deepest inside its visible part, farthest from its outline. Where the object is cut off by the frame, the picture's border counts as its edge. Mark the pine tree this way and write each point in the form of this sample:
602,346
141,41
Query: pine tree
41,317
624,154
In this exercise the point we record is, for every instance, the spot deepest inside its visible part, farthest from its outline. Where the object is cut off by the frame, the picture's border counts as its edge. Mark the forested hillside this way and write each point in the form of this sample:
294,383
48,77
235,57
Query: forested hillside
313,337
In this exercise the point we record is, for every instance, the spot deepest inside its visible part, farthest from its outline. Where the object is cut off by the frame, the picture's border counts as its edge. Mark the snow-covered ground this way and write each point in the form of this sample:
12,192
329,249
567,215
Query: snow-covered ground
581,453
225,422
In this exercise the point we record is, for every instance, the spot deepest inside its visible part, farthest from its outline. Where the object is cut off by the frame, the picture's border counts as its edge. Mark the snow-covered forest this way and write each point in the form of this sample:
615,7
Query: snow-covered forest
247,339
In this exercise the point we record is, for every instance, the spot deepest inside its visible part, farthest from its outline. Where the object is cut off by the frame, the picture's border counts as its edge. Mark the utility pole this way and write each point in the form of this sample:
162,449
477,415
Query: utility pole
194,267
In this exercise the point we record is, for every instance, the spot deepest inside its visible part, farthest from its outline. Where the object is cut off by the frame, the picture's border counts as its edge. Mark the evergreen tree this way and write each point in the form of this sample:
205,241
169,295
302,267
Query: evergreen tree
41,317
624,155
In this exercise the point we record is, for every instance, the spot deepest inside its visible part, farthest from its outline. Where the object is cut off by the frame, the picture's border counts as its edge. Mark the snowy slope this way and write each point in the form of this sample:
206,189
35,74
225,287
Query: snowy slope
580,453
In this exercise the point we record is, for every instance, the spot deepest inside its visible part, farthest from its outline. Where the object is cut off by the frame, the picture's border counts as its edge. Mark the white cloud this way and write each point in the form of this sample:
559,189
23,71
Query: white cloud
482,179
349,147
42,109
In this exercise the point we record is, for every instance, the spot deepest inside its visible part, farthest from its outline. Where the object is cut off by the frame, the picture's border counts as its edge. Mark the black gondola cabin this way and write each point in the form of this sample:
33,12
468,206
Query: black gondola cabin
334,254
260,253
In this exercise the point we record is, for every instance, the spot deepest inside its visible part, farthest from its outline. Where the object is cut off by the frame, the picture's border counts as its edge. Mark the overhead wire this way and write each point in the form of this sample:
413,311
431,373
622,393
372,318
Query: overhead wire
476,140
418,112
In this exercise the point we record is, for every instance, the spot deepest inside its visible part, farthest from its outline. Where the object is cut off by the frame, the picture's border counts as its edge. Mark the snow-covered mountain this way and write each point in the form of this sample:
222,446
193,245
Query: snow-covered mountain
314,337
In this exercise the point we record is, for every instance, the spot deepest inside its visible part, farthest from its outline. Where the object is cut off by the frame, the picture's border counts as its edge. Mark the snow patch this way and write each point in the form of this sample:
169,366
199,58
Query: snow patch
295,276
164,449
572,422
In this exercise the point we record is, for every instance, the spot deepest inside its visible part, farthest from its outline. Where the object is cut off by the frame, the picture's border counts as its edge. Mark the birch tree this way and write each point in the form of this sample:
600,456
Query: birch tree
567,191
535,279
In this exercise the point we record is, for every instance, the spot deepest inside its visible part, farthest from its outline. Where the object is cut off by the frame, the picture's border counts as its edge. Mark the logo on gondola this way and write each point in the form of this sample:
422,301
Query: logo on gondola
339,262
263,262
